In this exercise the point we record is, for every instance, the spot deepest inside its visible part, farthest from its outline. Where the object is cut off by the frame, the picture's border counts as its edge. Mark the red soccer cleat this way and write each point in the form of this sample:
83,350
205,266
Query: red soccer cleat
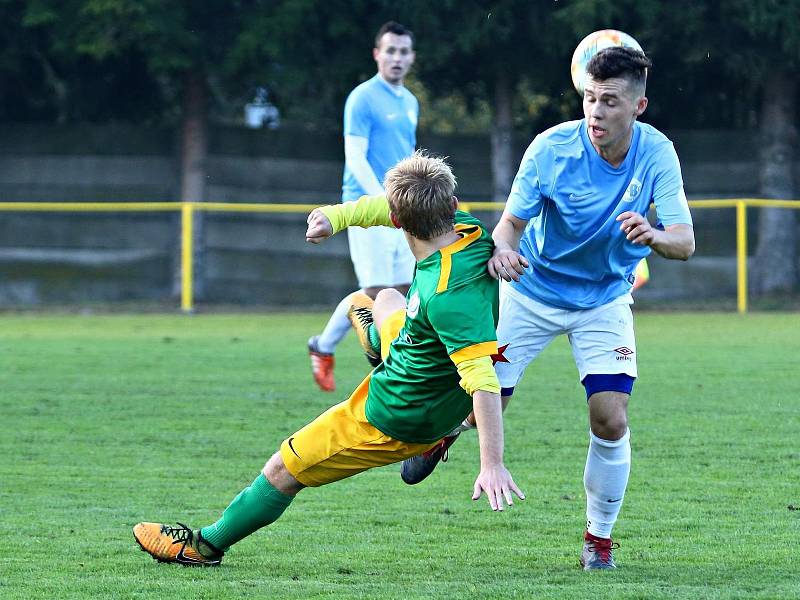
321,366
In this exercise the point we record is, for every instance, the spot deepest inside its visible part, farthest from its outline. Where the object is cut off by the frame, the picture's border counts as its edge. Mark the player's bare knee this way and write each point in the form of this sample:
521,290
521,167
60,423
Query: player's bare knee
390,296
388,301
608,415
278,475
611,427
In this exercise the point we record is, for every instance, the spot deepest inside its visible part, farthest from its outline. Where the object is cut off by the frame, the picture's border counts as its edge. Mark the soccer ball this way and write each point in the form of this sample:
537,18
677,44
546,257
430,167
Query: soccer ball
591,45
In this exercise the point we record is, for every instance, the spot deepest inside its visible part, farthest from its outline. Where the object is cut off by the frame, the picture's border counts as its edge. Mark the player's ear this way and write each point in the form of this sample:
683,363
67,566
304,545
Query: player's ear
395,222
455,203
641,105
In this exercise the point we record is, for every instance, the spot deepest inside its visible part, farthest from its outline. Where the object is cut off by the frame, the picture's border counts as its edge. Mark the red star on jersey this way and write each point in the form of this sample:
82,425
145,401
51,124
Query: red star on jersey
500,357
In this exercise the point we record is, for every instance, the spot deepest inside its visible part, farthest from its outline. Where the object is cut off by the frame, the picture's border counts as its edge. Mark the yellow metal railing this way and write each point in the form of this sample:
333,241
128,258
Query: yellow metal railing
187,210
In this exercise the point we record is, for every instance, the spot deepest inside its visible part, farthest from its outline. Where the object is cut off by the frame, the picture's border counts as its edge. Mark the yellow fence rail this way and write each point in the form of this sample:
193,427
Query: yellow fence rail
187,210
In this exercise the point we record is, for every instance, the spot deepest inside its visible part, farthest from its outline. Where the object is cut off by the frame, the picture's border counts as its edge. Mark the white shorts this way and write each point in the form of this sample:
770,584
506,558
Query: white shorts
381,256
601,338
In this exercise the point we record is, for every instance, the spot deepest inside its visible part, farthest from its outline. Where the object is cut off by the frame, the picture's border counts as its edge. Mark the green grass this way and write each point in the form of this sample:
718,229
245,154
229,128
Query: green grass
108,420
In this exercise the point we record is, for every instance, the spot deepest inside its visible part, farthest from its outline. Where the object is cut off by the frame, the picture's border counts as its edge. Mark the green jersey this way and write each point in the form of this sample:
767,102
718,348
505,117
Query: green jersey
451,316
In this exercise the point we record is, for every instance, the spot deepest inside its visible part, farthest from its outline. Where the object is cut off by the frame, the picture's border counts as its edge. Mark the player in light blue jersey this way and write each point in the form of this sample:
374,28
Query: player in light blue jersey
380,125
574,229
568,243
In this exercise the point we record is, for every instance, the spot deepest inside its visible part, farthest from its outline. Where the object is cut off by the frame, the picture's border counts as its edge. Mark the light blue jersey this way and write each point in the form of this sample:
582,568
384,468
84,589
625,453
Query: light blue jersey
579,258
387,117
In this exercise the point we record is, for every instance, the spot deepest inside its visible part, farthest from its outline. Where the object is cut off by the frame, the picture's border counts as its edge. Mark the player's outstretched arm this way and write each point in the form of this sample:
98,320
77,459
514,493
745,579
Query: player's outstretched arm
494,479
506,262
367,211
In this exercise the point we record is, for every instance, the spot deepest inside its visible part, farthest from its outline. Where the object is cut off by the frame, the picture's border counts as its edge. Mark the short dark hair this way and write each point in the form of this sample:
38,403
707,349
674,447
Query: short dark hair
395,28
620,61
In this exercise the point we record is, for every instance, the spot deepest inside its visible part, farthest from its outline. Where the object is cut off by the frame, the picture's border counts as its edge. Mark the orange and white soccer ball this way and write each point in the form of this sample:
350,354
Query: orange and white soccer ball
591,45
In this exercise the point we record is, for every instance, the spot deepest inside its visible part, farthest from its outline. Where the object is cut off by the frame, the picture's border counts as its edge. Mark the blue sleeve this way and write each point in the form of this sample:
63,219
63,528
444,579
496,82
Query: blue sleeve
525,198
416,121
668,194
357,117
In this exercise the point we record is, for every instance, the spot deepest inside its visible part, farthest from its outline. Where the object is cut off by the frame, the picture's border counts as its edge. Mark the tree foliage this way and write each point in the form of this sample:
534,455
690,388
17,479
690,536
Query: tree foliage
121,59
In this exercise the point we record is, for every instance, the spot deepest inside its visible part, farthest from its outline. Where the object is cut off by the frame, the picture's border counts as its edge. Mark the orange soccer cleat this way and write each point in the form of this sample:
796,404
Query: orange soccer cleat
321,366
177,544
360,315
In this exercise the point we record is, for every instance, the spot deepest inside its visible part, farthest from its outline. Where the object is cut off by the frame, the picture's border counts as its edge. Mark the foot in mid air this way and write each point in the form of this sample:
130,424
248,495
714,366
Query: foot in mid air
360,315
417,468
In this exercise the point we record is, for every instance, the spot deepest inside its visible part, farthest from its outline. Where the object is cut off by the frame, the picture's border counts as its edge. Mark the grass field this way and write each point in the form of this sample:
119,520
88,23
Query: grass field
108,420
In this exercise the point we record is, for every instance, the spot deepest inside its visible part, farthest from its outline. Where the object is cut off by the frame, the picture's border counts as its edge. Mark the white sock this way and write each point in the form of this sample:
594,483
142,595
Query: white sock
465,426
337,327
605,478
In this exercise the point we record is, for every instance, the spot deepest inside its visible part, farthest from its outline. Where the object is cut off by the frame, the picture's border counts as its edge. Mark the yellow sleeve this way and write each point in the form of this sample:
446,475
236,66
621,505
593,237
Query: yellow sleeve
367,211
478,374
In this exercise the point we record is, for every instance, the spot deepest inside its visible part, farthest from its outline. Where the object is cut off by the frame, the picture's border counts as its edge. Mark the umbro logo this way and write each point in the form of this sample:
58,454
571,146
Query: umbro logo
624,353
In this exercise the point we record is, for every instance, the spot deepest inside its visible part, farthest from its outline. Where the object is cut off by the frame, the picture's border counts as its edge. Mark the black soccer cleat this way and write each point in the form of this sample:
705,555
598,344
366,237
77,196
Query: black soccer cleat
417,468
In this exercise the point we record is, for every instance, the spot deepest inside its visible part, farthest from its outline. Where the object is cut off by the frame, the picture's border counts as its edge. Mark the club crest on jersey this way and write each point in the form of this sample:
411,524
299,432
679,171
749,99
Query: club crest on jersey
412,116
413,306
634,189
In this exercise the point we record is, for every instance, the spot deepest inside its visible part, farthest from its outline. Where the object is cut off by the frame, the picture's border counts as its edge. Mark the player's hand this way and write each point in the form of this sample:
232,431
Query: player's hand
498,485
319,227
507,264
637,228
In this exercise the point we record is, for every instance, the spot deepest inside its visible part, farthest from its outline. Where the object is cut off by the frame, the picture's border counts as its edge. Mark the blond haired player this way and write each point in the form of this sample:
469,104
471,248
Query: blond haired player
437,368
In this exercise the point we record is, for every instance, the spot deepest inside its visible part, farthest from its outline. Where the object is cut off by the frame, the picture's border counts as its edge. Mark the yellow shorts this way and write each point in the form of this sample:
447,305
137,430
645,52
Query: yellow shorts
341,442
390,329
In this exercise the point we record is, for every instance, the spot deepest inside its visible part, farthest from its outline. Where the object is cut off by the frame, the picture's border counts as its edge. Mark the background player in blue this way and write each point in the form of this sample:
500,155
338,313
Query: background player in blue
380,124
570,238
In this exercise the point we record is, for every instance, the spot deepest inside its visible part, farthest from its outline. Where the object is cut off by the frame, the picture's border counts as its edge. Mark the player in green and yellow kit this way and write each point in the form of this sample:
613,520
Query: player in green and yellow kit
437,368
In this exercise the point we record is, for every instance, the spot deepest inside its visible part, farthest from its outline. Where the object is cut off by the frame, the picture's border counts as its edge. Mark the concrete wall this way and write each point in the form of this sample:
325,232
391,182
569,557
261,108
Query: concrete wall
60,258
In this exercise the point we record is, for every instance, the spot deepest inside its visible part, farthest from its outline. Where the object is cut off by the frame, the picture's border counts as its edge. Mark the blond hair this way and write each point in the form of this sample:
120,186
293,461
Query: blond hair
420,194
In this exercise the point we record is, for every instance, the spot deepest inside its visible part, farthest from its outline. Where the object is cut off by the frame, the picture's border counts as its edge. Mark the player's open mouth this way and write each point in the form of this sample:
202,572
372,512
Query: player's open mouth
597,131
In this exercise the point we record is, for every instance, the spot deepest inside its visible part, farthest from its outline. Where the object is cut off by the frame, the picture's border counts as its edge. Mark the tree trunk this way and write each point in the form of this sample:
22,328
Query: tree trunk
502,138
194,151
58,85
775,262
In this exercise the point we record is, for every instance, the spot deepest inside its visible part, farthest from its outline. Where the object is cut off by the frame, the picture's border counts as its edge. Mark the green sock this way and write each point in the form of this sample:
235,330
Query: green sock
255,507
374,337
